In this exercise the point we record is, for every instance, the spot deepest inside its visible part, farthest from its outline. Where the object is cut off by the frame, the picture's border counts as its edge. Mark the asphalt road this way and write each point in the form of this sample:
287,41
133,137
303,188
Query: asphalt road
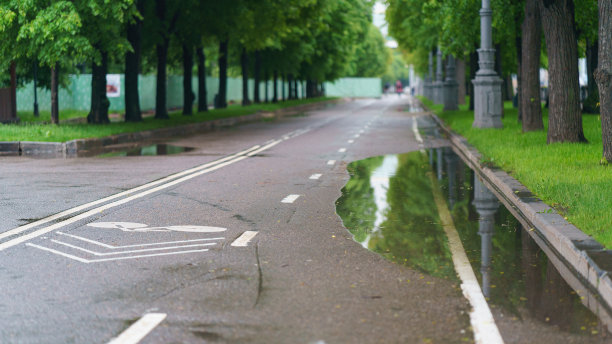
243,247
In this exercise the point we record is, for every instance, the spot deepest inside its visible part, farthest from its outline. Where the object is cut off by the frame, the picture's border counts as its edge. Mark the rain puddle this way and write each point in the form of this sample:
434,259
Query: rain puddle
156,149
388,206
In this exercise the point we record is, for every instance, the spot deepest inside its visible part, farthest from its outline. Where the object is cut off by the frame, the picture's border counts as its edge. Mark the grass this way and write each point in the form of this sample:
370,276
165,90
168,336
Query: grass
567,176
28,130
45,116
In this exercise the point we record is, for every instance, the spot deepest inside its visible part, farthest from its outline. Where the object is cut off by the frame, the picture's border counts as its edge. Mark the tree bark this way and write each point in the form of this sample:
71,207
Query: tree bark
202,94
132,69
473,70
283,91
530,105
564,117
590,103
188,96
221,101
275,86
290,86
98,113
161,111
244,62
266,93
55,94
519,67
603,76
256,76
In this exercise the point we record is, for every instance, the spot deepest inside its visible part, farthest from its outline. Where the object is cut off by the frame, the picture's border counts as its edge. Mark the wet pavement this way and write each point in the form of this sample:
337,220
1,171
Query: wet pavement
150,150
388,206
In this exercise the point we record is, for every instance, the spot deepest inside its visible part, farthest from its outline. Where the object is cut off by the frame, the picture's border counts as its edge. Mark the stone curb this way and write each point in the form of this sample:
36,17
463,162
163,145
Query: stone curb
578,251
87,147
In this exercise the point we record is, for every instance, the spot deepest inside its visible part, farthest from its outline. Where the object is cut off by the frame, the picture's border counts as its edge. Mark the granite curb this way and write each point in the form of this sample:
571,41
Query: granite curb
583,255
88,147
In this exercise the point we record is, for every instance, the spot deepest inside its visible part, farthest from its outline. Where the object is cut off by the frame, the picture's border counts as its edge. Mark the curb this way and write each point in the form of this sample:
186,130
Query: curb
88,147
581,254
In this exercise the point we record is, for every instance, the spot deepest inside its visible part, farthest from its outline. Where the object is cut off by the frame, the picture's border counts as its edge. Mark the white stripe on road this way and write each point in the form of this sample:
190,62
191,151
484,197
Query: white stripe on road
139,329
135,245
71,211
95,253
87,261
361,131
341,150
331,162
290,199
244,239
356,136
351,141
315,176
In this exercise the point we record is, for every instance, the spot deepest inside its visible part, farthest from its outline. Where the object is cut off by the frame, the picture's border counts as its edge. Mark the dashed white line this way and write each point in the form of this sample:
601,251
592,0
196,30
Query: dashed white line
135,245
361,131
244,239
290,199
341,150
315,176
356,136
139,329
351,141
331,162
95,253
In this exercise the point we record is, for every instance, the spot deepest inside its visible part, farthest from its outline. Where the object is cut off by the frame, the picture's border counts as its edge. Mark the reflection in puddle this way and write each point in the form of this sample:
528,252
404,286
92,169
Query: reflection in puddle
389,208
157,149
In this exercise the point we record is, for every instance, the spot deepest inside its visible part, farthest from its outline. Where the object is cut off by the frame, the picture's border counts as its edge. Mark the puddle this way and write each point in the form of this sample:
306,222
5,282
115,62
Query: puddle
156,149
389,208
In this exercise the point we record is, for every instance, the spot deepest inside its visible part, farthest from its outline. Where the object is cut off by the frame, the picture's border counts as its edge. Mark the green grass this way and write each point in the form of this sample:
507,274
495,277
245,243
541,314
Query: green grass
567,176
30,131
45,116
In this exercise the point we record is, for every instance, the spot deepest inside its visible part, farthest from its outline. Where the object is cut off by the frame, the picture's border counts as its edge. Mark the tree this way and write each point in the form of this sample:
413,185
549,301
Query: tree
586,28
132,66
530,106
372,57
603,75
564,119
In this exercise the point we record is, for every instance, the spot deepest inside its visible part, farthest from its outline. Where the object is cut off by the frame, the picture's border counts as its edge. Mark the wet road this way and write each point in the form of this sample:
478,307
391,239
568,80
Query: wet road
235,241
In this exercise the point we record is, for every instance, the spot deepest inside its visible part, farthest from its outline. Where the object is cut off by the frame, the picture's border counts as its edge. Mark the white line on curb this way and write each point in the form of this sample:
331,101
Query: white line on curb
244,239
290,199
139,329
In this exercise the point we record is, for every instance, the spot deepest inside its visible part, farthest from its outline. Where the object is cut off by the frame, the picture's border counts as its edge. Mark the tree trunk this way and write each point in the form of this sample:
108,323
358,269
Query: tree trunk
519,66
161,111
564,117
266,93
244,63
283,85
202,94
473,70
590,103
530,105
221,101
256,76
55,94
603,76
132,69
188,96
275,86
99,102
290,86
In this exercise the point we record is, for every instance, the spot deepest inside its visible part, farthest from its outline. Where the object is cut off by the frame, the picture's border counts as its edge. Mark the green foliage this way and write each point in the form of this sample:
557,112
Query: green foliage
372,57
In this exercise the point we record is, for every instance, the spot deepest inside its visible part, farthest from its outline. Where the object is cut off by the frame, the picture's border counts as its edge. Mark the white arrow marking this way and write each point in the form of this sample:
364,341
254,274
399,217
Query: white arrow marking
315,176
244,239
139,329
290,199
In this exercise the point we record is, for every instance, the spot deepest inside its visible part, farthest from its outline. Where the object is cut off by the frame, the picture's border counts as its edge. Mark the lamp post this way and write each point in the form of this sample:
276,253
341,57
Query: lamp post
451,88
438,86
428,78
487,85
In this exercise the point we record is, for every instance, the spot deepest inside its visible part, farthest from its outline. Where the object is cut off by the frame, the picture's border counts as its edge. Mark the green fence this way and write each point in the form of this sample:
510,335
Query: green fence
77,96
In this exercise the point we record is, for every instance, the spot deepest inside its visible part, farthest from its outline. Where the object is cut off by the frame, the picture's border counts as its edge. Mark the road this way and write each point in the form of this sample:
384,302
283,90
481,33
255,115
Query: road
236,241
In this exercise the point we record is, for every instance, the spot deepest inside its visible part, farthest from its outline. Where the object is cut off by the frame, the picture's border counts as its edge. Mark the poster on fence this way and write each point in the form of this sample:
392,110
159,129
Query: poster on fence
113,85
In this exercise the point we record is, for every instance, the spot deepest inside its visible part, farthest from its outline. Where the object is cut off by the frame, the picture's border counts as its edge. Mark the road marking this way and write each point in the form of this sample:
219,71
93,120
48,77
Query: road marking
139,329
141,227
97,210
71,211
315,176
356,136
351,141
244,239
341,150
331,162
290,199
361,131
95,253
136,245
415,130
87,261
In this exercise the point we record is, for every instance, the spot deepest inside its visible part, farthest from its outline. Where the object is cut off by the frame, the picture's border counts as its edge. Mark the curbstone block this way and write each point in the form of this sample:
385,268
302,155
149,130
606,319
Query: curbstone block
9,148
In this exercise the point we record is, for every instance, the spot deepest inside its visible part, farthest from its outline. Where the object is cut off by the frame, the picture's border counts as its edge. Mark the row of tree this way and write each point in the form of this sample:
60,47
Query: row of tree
290,40
570,29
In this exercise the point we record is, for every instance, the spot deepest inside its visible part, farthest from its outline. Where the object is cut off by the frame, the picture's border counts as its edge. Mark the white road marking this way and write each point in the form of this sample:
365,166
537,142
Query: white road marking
141,227
95,253
415,130
341,150
87,261
139,329
315,176
361,131
351,141
290,199
136,245
331,162
356,136
71,211
244,239
97,210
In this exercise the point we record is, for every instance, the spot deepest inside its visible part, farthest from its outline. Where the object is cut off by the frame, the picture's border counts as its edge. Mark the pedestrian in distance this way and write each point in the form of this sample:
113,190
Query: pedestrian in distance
398,88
